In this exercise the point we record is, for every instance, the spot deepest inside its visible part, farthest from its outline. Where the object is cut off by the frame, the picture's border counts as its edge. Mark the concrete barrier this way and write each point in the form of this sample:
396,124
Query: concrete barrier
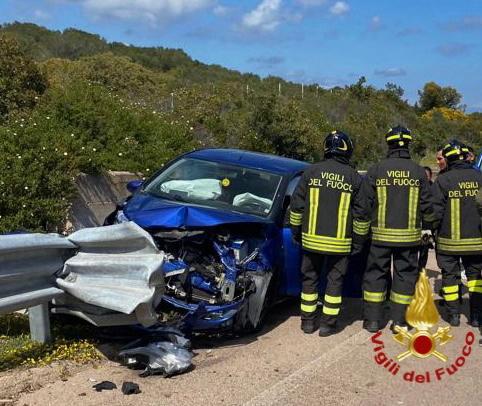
97,198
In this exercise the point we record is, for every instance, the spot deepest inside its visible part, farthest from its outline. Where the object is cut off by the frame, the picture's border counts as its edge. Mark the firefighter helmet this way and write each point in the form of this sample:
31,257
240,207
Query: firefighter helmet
338,143
465,150
398,136
454,151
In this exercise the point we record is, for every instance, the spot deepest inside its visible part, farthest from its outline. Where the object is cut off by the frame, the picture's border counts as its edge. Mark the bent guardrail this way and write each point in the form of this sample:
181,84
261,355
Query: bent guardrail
106,275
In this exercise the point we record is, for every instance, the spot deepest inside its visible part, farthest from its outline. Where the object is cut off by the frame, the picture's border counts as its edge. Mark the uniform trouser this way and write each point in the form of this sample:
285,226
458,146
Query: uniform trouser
450,265
405,274
311,268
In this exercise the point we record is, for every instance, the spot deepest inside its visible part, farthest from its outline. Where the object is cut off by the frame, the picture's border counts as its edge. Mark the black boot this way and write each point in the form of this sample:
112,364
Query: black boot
371,326
454,320
309,326
475,320
400,324
326,330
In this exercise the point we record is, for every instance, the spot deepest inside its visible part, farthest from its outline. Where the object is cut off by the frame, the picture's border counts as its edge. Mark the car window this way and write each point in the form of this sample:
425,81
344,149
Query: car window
292,185
216,184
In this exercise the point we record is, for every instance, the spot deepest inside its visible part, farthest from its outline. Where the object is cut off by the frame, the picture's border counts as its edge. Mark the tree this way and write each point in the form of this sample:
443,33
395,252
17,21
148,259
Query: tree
394,89
21,82
434,95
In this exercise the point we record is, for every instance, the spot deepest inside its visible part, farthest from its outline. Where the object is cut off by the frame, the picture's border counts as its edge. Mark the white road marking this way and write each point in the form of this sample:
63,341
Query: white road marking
292,382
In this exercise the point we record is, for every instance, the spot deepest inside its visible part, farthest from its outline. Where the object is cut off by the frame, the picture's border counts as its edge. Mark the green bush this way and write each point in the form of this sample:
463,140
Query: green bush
21,82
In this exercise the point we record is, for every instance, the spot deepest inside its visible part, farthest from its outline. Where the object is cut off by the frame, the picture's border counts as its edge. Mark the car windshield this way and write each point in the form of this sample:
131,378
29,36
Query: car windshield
217,185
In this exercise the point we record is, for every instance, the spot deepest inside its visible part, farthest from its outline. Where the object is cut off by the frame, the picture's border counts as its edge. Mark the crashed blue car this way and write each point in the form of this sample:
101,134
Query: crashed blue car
220,216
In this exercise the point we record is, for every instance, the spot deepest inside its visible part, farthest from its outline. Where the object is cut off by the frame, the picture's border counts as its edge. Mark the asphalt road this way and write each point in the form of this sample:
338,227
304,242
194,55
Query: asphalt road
281,365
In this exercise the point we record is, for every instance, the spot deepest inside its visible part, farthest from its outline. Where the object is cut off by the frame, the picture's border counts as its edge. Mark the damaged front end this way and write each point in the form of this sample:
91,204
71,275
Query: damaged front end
216,278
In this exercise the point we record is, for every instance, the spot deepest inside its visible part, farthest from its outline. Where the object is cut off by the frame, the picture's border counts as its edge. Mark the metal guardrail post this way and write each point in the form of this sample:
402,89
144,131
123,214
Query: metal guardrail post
39,323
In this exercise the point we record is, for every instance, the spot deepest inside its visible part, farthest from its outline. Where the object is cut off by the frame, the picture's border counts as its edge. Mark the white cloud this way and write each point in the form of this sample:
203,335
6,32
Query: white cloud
265,17
220,11
339,8
309,3
150,10
390,72
41,15
375,23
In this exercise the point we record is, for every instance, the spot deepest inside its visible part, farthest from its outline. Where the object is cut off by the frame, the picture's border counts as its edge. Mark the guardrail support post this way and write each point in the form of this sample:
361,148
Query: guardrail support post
39,323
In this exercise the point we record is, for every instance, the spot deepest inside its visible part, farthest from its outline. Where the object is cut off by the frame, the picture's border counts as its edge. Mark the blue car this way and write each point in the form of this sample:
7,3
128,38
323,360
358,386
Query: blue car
220,216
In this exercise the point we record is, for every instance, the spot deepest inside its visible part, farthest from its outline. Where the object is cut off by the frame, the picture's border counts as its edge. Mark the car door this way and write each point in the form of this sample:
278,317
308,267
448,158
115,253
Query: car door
290,282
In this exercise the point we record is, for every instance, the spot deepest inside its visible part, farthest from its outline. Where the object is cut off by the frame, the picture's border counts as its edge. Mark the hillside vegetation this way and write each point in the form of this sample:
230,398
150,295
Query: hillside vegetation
71,102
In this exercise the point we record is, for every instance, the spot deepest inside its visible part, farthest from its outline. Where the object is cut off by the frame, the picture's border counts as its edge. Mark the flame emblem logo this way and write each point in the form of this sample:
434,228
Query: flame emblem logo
422,315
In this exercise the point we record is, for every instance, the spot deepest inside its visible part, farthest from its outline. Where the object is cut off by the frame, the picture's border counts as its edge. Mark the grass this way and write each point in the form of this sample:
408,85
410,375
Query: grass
72,342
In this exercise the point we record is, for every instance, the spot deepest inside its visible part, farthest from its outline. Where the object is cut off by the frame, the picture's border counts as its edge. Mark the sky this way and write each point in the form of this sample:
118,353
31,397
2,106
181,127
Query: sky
328,42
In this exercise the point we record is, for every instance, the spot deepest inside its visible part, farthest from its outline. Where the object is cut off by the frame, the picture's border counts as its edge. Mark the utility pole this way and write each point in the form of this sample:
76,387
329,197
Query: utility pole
302,90
279,89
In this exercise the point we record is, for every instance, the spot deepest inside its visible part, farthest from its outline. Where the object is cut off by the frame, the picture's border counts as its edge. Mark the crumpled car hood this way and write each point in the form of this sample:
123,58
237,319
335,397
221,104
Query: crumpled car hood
152,212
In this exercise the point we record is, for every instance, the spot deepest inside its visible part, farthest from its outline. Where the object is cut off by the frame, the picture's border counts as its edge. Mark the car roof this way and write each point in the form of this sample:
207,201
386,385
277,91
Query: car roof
249,159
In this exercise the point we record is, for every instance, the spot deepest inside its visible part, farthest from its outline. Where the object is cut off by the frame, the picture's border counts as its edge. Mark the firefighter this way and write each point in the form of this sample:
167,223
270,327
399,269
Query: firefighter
441,162
398,198
326,216
459,235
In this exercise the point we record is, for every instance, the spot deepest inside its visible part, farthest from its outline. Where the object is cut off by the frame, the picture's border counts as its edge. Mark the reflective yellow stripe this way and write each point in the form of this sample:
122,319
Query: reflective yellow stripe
465,248
397,136
343,209
308,308
455,218
309,297
332,299
398,231
382,205
330,311
396,235
328,244
475,282
394,238
325,239
451,289
296,215
455,151
375,297
475,286
326,248
412,207
314,197
399,298
361,227
461,245
296,218
462,241
451,297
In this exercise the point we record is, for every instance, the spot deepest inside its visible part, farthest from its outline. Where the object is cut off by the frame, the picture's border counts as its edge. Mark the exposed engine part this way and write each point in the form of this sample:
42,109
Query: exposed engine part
240,250
210,268
228,291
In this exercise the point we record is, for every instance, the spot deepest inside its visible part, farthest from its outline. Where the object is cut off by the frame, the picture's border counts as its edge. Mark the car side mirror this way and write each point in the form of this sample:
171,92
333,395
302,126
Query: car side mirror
134,185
